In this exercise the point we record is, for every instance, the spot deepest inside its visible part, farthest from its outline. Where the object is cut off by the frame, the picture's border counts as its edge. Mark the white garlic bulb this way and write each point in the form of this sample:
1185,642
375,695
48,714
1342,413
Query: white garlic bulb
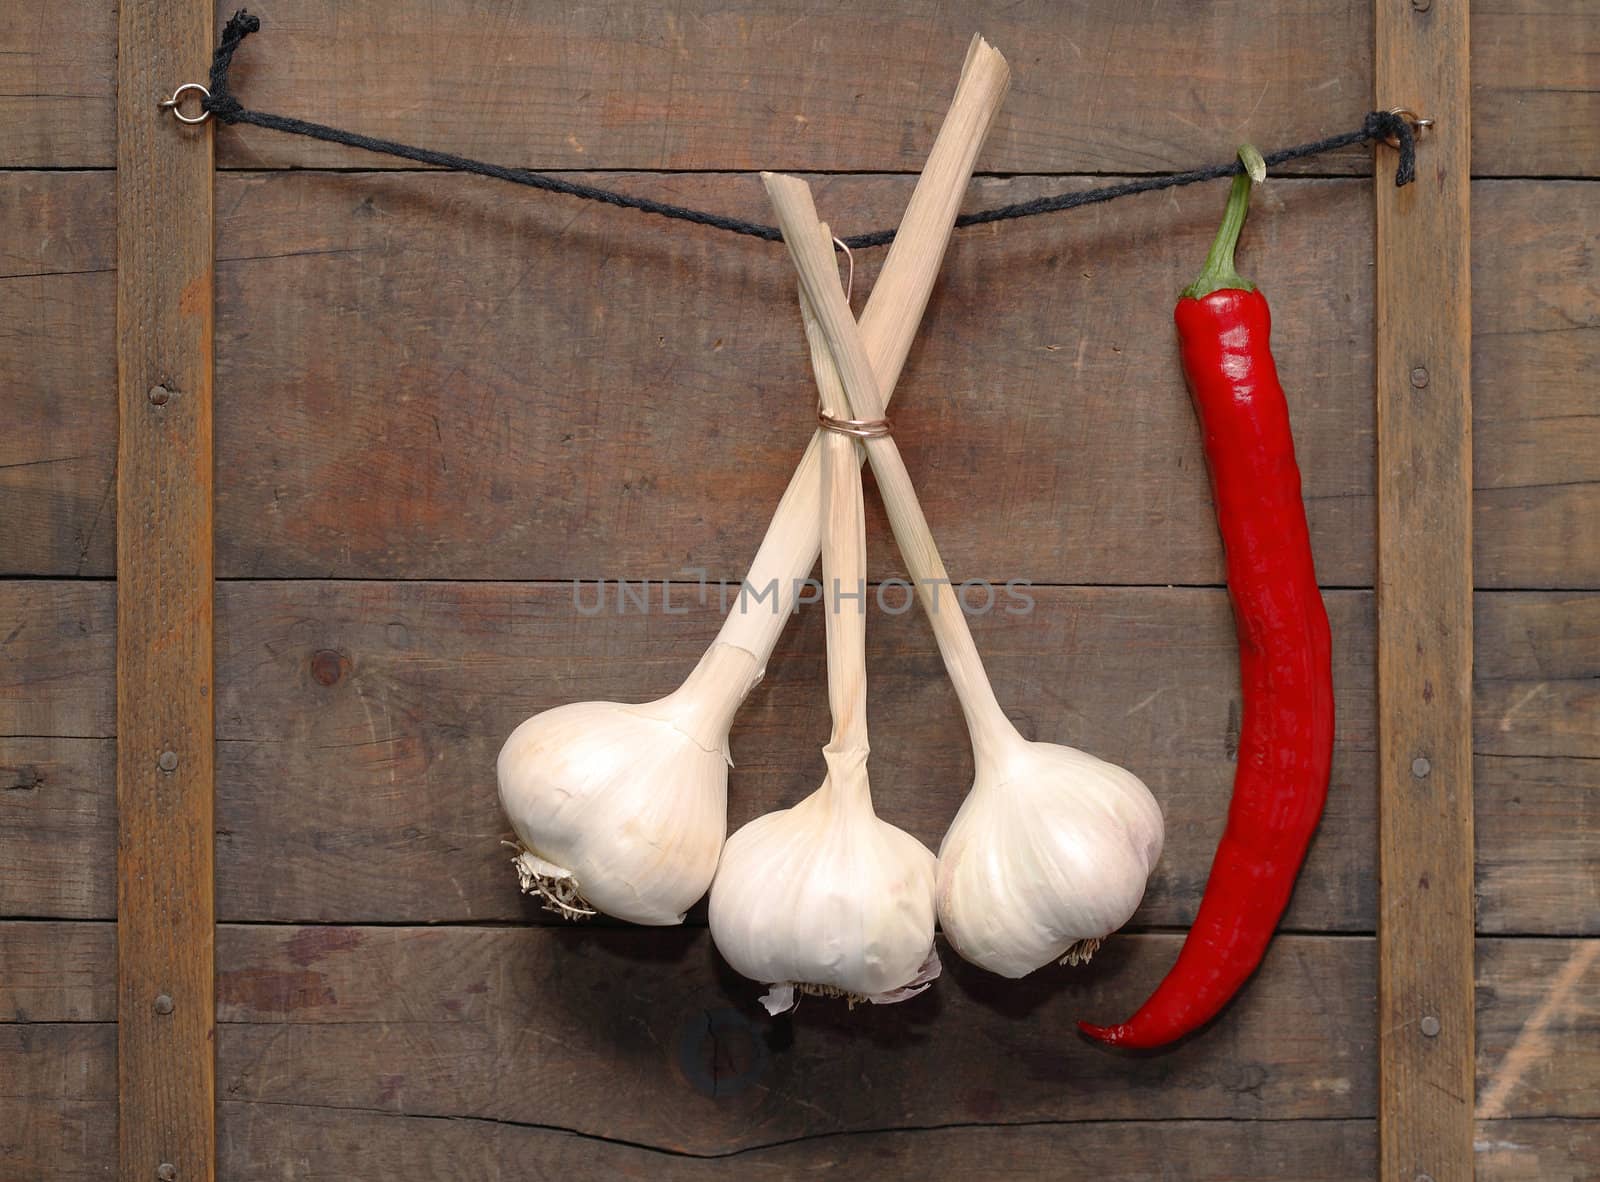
1052,850
826,898
622,808
1048,855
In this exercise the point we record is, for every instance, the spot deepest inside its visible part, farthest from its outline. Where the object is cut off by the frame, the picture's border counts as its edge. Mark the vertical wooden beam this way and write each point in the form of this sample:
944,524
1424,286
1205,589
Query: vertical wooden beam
165,928
1424,333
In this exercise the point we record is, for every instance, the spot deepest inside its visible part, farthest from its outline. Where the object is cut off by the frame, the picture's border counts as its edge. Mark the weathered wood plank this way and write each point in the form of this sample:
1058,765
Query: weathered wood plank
1423,344
58,1101
1533,66
58,84
166,1074
57,659
335,1038
57,327
400,466
1535,351
772,84
307,488
1537,828
340,1145
435,1021
524,1024
1538,1020
261,1141
1558,1150
778,85
360,724
1547,647
444,373
58,828
57,972
319,821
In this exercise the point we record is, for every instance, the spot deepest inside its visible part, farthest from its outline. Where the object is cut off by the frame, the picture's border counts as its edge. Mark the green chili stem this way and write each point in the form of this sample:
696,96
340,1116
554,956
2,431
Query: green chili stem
1219,273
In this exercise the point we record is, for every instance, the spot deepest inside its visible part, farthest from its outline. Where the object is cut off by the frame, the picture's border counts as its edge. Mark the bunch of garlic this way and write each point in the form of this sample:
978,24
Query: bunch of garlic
623,808
1052,849
826,897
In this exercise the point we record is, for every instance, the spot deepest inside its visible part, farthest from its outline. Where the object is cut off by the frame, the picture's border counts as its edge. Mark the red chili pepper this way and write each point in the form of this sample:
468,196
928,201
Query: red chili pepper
1286,741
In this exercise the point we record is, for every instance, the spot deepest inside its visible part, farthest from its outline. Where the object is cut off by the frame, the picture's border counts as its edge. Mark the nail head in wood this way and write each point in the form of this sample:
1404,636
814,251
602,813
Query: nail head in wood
327,666
1429,1026
1424,1178
168,761
1420,767
163,1004
1419,378
159,395
167,1172
1421,6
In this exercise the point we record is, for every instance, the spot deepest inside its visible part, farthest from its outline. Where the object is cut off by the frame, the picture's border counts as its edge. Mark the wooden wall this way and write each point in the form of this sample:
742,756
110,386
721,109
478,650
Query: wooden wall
439,401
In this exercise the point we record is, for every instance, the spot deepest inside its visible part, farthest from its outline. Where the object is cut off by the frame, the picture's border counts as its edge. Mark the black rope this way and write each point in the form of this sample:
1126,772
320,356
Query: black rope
223,106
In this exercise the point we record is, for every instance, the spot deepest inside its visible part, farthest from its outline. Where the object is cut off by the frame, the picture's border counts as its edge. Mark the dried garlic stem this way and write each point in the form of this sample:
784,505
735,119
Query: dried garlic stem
844,576
888,325
846,355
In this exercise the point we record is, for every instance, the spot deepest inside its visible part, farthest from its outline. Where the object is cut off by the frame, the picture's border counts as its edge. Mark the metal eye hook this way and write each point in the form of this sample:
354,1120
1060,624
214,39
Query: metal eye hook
1419,124
178,95
850,271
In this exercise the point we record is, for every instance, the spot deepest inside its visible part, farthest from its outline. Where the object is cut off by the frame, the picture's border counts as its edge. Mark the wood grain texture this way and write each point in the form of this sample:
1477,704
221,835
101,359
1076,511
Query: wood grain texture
324,1144
307,492
1423,319
449,372
165,750
343,1047
58,449
56,972
58,828
58,84
57,675
1535,351
259,1141
434,1021
1537,1150
769,84
648,1037
58,1100
370,797
359,724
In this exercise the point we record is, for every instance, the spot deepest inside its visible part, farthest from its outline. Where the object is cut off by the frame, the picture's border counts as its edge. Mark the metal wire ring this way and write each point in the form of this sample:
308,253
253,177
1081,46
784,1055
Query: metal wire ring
1418,124
855,428
178,95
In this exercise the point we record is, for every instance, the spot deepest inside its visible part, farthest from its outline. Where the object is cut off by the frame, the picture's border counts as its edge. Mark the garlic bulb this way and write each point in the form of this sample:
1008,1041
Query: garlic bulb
1048,854
622,808
1053,847
825,897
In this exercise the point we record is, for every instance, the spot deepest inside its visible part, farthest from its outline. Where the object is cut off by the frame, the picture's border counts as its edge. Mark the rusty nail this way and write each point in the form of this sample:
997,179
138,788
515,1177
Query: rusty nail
1430,1026
163,1004
327,666
167,1172
1424,1177
1420,767
1421,6
1419,378
168,761
159,395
